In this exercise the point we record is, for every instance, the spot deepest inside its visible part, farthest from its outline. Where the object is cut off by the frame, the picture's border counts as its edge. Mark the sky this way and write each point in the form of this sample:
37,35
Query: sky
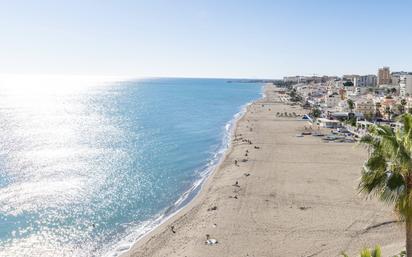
209,38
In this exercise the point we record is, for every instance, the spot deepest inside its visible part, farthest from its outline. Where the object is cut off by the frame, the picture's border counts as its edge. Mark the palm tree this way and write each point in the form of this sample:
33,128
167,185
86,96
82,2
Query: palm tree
403,104
316,112
387,174
351,104
388,112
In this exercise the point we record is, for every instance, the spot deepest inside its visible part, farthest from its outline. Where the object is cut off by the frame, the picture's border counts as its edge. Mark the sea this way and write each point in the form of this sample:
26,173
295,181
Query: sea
87,167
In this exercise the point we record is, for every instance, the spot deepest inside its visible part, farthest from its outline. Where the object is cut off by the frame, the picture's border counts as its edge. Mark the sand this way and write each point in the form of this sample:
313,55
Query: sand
300,198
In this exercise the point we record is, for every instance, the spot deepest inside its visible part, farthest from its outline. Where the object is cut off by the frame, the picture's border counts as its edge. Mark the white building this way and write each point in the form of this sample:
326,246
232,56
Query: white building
367,107
294,79
366,81
405,85
355,91
332,100
361,90
326,123
395,79
343,106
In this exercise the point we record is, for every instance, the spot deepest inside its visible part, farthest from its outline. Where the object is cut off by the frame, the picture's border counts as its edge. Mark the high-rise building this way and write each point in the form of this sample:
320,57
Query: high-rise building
384,76
395,79
396,76
351,77
405,85
366,81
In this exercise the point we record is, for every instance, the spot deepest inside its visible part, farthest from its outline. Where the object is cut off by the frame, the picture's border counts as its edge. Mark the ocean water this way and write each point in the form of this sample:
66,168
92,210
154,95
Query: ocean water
85,169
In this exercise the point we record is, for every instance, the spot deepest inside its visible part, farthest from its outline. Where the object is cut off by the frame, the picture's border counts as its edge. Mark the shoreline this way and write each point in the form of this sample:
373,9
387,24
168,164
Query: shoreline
122,248
235,234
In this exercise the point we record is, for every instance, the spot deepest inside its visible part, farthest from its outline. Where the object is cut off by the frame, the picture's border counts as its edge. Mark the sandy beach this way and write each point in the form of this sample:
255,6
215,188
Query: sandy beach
278,195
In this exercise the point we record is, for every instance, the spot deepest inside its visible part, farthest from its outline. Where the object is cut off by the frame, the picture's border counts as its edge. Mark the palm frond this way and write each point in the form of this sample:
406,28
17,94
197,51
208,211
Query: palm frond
377,251
366,253
385,174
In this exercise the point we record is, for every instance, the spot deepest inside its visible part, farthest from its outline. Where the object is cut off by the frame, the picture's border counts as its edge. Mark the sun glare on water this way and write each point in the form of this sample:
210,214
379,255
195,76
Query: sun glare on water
49,156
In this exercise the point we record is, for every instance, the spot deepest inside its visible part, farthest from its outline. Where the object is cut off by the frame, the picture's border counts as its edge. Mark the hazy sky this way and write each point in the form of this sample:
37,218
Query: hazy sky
209,38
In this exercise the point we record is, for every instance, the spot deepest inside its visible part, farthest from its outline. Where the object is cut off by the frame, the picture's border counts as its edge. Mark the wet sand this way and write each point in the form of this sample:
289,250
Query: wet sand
295,196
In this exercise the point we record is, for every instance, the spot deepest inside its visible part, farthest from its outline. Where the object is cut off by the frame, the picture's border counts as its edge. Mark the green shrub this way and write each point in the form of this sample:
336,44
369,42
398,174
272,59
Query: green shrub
366,252
374,253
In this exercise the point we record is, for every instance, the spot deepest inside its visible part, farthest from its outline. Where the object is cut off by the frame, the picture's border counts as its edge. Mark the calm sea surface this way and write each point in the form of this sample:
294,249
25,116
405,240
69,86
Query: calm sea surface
85,170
